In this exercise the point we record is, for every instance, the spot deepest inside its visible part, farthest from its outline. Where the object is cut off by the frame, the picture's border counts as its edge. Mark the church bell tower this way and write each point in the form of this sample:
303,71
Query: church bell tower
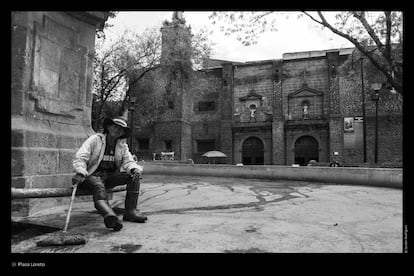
176,68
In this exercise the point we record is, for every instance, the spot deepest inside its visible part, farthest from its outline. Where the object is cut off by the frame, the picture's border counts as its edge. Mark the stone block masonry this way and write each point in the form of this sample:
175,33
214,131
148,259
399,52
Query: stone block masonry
52,67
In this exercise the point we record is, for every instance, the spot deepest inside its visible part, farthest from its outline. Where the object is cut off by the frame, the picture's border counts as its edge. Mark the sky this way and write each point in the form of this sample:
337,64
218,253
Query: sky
293,35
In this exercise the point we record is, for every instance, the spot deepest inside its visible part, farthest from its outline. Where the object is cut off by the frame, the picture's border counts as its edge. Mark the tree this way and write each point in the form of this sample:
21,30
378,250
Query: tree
100,31
115,61
149,105
123,62
377,35
201,49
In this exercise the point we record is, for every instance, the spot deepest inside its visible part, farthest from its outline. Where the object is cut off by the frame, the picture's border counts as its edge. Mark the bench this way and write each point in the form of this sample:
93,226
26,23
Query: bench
19,193
322,164
167,155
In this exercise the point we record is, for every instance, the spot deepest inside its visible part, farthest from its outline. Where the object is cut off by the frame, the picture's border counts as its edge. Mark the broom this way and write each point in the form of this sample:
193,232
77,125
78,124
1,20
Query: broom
64,238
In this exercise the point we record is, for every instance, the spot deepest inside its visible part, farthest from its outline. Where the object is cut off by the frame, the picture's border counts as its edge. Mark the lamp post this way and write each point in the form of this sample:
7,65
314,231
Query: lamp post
364,137
375,97
131,109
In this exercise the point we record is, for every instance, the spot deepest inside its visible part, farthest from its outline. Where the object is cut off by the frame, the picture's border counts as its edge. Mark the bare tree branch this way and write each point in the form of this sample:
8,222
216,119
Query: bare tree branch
363,50
311,17
386,51
132,83
371,32
388,35
260,16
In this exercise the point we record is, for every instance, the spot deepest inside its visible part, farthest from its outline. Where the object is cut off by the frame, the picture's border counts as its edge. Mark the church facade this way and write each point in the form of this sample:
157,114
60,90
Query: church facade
284,111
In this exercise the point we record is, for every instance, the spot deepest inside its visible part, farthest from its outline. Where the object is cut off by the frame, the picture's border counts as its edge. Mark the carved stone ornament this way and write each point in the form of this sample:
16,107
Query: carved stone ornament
58,83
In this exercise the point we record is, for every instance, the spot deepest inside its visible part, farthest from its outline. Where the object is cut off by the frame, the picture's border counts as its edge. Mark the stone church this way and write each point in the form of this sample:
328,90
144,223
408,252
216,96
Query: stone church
284,111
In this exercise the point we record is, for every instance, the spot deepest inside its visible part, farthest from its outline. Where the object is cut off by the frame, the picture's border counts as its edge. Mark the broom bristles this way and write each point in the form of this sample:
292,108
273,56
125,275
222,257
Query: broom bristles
62,239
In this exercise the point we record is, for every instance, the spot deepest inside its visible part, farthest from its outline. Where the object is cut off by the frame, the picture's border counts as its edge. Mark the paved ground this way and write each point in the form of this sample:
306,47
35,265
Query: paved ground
206,214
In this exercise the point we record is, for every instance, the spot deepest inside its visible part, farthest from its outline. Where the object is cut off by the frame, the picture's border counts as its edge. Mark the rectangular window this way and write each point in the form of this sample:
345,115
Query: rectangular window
205,145
207,106
170,104
168,145
143,144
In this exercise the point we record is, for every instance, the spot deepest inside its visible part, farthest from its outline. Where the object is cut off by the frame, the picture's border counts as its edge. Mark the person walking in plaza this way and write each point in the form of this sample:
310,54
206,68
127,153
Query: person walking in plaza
104,161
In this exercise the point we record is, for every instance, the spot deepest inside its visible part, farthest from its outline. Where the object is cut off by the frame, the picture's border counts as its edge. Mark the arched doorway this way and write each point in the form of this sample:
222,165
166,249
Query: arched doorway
253,151
306,149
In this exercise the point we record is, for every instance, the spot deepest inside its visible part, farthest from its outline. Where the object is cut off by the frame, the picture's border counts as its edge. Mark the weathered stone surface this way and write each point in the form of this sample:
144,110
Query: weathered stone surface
65,159
43,161
52,70
20,207
18,182
278,138
336,139
17,162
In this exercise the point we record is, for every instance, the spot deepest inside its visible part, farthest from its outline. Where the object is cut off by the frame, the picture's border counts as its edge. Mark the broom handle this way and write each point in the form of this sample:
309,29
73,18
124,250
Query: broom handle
70,207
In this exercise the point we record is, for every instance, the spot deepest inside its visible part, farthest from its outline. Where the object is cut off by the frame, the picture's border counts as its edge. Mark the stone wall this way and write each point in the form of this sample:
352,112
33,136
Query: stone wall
207,86
257,77
253,84
312,72
278,126
227,109
375,177
202,131
390,140
390,126
167,131
52,72
336,138
305,80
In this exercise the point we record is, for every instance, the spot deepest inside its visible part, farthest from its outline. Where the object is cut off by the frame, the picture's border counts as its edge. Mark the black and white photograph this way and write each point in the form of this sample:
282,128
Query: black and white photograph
206,131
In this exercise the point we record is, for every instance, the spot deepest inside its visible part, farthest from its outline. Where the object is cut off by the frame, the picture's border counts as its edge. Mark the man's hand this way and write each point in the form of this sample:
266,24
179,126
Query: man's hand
135,174
77,179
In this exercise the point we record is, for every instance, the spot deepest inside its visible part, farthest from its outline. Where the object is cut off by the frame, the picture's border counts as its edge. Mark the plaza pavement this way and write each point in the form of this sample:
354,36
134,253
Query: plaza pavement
189,214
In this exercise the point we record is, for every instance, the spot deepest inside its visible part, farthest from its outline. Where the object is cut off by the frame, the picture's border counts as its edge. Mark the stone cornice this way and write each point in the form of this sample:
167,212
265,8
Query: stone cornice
95,18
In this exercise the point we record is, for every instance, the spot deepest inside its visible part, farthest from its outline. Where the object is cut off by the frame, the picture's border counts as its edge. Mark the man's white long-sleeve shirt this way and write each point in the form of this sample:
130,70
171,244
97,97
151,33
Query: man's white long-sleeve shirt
91,153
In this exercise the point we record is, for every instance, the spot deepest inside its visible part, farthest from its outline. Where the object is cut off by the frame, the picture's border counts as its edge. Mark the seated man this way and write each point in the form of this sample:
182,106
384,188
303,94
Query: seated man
104,161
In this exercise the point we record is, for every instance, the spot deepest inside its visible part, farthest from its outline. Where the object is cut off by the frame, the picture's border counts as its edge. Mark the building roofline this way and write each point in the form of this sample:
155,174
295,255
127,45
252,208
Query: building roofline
285,57
256,62
316,53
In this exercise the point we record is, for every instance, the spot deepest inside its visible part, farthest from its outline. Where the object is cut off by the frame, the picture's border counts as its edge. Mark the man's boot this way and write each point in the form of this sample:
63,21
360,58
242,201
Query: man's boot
131,201
110,218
